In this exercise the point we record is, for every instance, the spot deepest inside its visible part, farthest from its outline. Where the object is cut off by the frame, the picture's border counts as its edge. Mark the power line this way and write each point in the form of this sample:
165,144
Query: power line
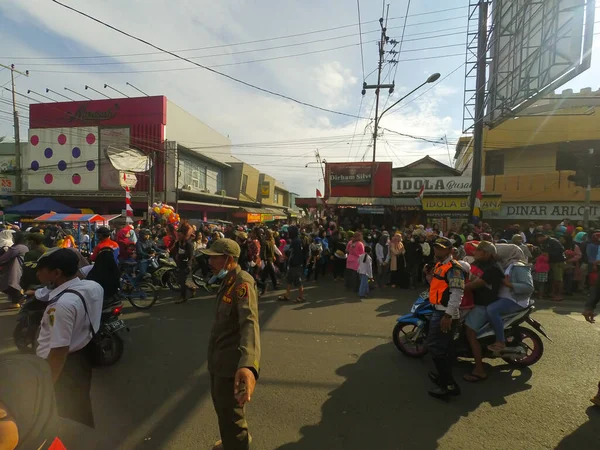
247,62
229,77
244,51
402,38
362,57
247,42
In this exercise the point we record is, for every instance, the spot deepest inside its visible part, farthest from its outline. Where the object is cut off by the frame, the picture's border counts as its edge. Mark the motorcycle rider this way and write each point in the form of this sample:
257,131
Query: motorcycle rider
485,285
445,293
144,249
103,235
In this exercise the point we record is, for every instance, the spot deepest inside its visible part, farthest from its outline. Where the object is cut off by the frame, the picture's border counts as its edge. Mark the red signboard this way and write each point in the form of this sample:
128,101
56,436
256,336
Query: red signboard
107,112
355,179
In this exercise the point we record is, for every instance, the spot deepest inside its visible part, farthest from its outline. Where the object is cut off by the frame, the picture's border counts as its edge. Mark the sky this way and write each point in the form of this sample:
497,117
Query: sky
324,68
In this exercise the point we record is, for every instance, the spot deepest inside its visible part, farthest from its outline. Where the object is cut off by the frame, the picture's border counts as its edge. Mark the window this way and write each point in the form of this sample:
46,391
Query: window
244,183
193,174
494,163
276,197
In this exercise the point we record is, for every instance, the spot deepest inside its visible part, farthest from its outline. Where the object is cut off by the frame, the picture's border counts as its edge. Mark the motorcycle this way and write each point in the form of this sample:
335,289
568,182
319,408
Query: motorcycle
108,344
524,347
163,270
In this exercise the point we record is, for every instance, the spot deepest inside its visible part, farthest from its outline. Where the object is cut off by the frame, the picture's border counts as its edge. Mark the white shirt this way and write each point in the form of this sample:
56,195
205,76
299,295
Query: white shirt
365,267
65,322
379,253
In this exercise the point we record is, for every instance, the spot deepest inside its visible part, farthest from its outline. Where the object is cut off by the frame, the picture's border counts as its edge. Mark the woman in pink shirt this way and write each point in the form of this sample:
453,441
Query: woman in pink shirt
354,249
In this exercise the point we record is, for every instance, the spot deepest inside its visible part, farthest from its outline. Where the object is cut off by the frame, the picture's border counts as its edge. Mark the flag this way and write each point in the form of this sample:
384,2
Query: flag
319,193
477,204
420,194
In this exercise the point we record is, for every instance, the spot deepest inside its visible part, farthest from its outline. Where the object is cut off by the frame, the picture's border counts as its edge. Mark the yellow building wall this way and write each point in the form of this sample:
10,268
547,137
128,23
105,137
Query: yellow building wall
530,173
252,185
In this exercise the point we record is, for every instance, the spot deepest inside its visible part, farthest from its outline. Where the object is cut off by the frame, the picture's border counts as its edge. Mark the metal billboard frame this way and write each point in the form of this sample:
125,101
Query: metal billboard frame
538,68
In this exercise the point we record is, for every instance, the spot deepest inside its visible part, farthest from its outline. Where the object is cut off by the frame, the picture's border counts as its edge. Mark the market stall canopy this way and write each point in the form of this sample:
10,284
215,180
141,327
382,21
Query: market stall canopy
39,206
90,218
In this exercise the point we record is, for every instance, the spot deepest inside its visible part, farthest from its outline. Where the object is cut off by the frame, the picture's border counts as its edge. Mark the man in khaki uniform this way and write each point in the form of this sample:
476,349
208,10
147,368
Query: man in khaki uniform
234,345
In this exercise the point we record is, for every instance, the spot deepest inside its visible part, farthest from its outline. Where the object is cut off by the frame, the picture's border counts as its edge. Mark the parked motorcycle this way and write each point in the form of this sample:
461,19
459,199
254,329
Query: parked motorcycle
524,347
109,344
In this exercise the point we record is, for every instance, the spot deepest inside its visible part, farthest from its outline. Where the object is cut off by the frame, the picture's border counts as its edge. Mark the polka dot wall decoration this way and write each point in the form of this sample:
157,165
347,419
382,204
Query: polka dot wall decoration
62,159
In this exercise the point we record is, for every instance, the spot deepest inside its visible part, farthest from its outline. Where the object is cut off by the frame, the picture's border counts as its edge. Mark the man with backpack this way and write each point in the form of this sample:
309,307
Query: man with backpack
70,321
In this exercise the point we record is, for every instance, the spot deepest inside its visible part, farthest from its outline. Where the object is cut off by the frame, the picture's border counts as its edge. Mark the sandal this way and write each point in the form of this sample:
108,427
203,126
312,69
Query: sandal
596,400
496,348
299,300
474,378
283,298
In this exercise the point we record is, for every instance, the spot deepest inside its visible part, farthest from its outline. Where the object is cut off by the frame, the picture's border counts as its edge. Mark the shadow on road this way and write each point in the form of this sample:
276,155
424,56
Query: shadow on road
586,436
403,300
389,408
141,401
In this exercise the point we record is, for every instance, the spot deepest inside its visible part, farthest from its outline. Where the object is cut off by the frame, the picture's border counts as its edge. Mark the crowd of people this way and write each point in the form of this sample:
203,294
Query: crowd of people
473,272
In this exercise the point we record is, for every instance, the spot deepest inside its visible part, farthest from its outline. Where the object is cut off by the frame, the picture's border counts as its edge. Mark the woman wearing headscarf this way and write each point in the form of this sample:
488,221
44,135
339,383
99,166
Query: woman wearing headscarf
354,249
397,261
517,239
6,240
12,268
382,254
515,293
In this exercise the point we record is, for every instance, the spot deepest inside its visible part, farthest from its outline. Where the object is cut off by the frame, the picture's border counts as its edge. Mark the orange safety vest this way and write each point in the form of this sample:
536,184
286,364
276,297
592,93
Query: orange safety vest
439,292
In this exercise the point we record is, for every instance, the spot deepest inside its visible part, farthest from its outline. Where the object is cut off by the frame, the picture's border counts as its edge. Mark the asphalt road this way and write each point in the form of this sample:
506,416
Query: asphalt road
332,379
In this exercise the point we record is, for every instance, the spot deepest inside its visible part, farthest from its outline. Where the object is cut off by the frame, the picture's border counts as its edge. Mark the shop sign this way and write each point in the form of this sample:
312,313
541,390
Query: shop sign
253,218
545,211
265,189
412,185
83,114
458,204
370,210
7,184
350,175
266,217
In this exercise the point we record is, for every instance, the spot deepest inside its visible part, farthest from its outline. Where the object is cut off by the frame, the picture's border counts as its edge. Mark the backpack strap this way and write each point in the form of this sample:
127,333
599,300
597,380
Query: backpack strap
78,294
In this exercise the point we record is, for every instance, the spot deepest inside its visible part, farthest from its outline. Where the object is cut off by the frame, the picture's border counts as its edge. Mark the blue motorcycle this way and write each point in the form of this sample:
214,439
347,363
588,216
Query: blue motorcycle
523,345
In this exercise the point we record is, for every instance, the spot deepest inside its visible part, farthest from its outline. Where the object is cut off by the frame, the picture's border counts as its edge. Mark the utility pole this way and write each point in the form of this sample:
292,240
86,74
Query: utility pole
383,40
479,103
589,168
19,175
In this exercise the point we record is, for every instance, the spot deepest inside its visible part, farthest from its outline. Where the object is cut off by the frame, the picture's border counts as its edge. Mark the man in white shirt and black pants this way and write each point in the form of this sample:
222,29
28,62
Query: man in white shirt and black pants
66,331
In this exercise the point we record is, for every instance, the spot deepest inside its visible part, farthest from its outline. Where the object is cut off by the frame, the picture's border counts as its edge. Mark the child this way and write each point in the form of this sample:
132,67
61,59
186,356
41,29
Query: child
540,274
365,272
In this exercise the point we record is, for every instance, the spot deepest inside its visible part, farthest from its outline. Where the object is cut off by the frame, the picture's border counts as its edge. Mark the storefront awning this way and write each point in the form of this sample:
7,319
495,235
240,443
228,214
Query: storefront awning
215,205
373,201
